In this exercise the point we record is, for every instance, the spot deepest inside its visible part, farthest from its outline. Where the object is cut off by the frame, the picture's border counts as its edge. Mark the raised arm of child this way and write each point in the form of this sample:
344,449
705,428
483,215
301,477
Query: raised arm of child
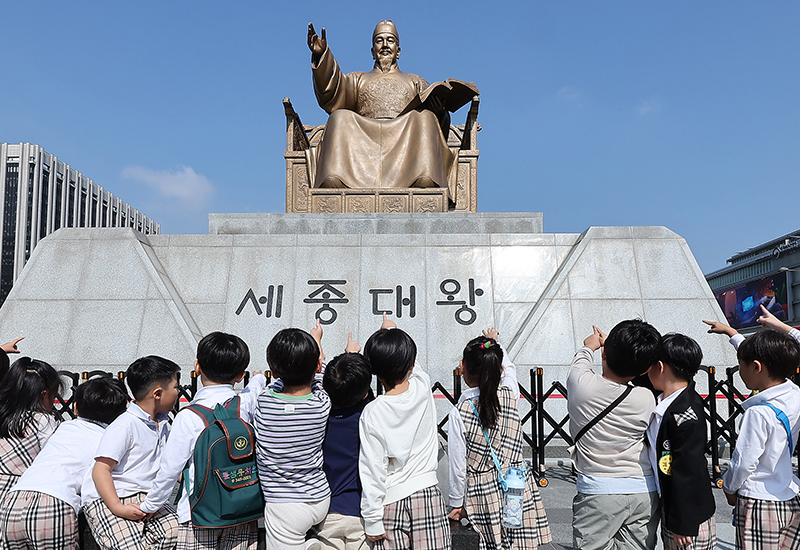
101,475
768,320
316,333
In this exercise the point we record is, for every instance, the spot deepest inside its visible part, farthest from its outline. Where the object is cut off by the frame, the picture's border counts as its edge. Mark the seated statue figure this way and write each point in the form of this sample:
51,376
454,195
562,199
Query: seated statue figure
380,133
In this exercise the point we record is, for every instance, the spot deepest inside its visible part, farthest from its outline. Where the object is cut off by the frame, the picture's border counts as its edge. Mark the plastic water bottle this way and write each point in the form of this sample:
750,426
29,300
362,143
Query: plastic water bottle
514,499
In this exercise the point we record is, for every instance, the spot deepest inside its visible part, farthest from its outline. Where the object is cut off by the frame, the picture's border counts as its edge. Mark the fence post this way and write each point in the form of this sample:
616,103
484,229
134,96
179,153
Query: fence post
538,395
712,413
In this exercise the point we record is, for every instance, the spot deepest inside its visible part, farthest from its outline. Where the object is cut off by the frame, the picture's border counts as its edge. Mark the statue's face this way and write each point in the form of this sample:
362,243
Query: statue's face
385,46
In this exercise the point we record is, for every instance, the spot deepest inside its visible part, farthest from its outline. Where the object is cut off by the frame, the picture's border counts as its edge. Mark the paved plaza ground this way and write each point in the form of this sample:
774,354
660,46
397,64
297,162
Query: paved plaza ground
557,497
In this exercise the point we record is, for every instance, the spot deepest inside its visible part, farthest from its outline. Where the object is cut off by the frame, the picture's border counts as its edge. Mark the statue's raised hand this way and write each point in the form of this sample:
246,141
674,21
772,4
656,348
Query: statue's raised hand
317,44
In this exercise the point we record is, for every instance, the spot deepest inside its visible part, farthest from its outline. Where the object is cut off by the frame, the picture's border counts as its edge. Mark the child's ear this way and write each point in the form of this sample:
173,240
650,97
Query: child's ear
238,378
157,392
758,366
319,365
197,368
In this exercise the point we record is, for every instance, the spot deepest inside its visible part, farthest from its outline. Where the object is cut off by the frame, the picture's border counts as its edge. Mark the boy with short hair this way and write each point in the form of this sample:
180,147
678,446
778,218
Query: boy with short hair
347,382
41,510
617,499
398,458
760,481
127,461
222,360
290,425
677,437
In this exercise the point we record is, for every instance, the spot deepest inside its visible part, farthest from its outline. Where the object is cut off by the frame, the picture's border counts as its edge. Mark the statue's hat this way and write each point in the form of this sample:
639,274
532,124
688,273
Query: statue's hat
385,26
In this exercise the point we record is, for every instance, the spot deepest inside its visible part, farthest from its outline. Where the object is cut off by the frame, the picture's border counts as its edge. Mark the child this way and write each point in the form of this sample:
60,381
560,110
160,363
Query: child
221,362
127,461
677,437
26,422
347,381
617,498
398,458
760,480
290,426
485,368
41,510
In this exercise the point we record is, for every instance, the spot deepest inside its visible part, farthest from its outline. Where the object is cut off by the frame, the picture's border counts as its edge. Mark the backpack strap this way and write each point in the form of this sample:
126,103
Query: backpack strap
203,412
786,425
603,414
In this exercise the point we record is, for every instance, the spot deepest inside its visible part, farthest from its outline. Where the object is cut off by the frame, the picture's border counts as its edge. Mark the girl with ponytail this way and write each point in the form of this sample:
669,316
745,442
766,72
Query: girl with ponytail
26,420
488,411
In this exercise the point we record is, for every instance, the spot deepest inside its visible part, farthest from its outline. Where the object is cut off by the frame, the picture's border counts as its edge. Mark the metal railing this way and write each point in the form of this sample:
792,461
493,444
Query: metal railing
541,426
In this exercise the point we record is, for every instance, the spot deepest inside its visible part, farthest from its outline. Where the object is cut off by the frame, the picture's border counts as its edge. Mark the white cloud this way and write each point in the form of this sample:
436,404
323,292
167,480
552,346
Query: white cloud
187,187
572,96
648,107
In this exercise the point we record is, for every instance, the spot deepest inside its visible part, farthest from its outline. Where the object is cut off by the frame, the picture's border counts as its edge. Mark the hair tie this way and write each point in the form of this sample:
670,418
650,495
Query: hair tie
487,344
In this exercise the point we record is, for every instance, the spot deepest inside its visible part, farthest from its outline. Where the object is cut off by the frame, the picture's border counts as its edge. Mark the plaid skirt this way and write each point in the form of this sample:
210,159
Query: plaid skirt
238,537
484,506
706,538
29,519
417,522
115,533
767,524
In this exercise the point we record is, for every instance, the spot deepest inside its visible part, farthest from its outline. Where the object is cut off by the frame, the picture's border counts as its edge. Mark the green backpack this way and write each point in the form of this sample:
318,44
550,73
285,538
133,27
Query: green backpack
226,488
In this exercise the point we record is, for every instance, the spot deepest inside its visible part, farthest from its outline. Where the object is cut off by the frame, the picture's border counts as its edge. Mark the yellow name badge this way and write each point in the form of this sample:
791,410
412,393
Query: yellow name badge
665,464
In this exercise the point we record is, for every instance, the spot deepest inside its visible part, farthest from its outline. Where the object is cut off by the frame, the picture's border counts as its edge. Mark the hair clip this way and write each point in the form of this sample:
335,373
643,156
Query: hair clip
487,344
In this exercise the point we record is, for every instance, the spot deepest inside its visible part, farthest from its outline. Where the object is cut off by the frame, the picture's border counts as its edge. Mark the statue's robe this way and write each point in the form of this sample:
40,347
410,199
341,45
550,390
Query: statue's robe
367,142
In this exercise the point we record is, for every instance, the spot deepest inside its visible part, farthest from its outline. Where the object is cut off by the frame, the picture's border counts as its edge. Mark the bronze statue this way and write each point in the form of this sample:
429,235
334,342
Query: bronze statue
387,128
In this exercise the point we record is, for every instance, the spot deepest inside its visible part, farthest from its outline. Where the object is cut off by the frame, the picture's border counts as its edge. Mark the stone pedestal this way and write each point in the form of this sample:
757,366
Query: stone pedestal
99,298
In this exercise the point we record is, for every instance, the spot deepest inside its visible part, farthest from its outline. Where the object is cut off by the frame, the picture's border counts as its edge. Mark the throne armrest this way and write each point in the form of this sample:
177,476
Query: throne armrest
296,138
471,126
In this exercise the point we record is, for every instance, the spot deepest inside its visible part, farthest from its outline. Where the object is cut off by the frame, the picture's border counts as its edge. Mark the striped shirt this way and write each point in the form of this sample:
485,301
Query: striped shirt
289,435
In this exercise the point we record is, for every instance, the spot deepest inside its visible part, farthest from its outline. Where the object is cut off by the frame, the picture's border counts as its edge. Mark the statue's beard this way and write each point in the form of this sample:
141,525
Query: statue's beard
385,62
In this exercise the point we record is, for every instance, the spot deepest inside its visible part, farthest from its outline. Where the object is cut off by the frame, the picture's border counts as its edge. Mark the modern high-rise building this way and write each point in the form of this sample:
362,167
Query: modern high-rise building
41,194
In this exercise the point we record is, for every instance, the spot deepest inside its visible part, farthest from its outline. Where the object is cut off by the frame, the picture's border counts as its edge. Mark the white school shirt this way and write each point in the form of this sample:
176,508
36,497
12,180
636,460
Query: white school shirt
761,467
179,450
399,448
456,438
655,426
135,442
60,467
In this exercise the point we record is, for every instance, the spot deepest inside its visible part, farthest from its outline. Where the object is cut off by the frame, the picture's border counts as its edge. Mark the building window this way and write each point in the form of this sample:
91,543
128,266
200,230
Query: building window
43,203
105,214
94,210
82,219
114,217
29,212
59,190
71,205
9,229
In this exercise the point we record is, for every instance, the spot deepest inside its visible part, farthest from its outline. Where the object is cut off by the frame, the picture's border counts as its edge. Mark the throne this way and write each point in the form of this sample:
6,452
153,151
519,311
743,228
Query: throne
302,196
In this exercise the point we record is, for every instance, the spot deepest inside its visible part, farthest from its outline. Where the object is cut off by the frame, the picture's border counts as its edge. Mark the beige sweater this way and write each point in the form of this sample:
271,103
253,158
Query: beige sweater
615,446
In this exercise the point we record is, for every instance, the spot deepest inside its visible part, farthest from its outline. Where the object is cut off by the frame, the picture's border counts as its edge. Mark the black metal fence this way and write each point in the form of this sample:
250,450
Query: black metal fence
541,426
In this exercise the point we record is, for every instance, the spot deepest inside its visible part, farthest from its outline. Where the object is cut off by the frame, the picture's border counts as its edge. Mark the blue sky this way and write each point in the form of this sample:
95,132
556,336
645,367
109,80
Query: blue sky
683,114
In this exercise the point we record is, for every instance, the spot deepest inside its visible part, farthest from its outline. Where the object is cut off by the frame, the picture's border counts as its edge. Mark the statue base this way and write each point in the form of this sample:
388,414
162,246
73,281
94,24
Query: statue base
454,223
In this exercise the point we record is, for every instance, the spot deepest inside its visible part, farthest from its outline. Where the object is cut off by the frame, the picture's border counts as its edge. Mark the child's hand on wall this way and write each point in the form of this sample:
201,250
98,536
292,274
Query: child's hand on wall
492,334
596,340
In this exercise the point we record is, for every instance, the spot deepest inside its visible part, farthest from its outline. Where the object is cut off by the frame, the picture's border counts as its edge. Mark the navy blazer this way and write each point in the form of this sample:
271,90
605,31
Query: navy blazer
682,467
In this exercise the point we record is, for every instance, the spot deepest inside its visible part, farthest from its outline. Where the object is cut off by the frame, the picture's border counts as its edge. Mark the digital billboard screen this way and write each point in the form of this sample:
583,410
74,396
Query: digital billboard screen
742,303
